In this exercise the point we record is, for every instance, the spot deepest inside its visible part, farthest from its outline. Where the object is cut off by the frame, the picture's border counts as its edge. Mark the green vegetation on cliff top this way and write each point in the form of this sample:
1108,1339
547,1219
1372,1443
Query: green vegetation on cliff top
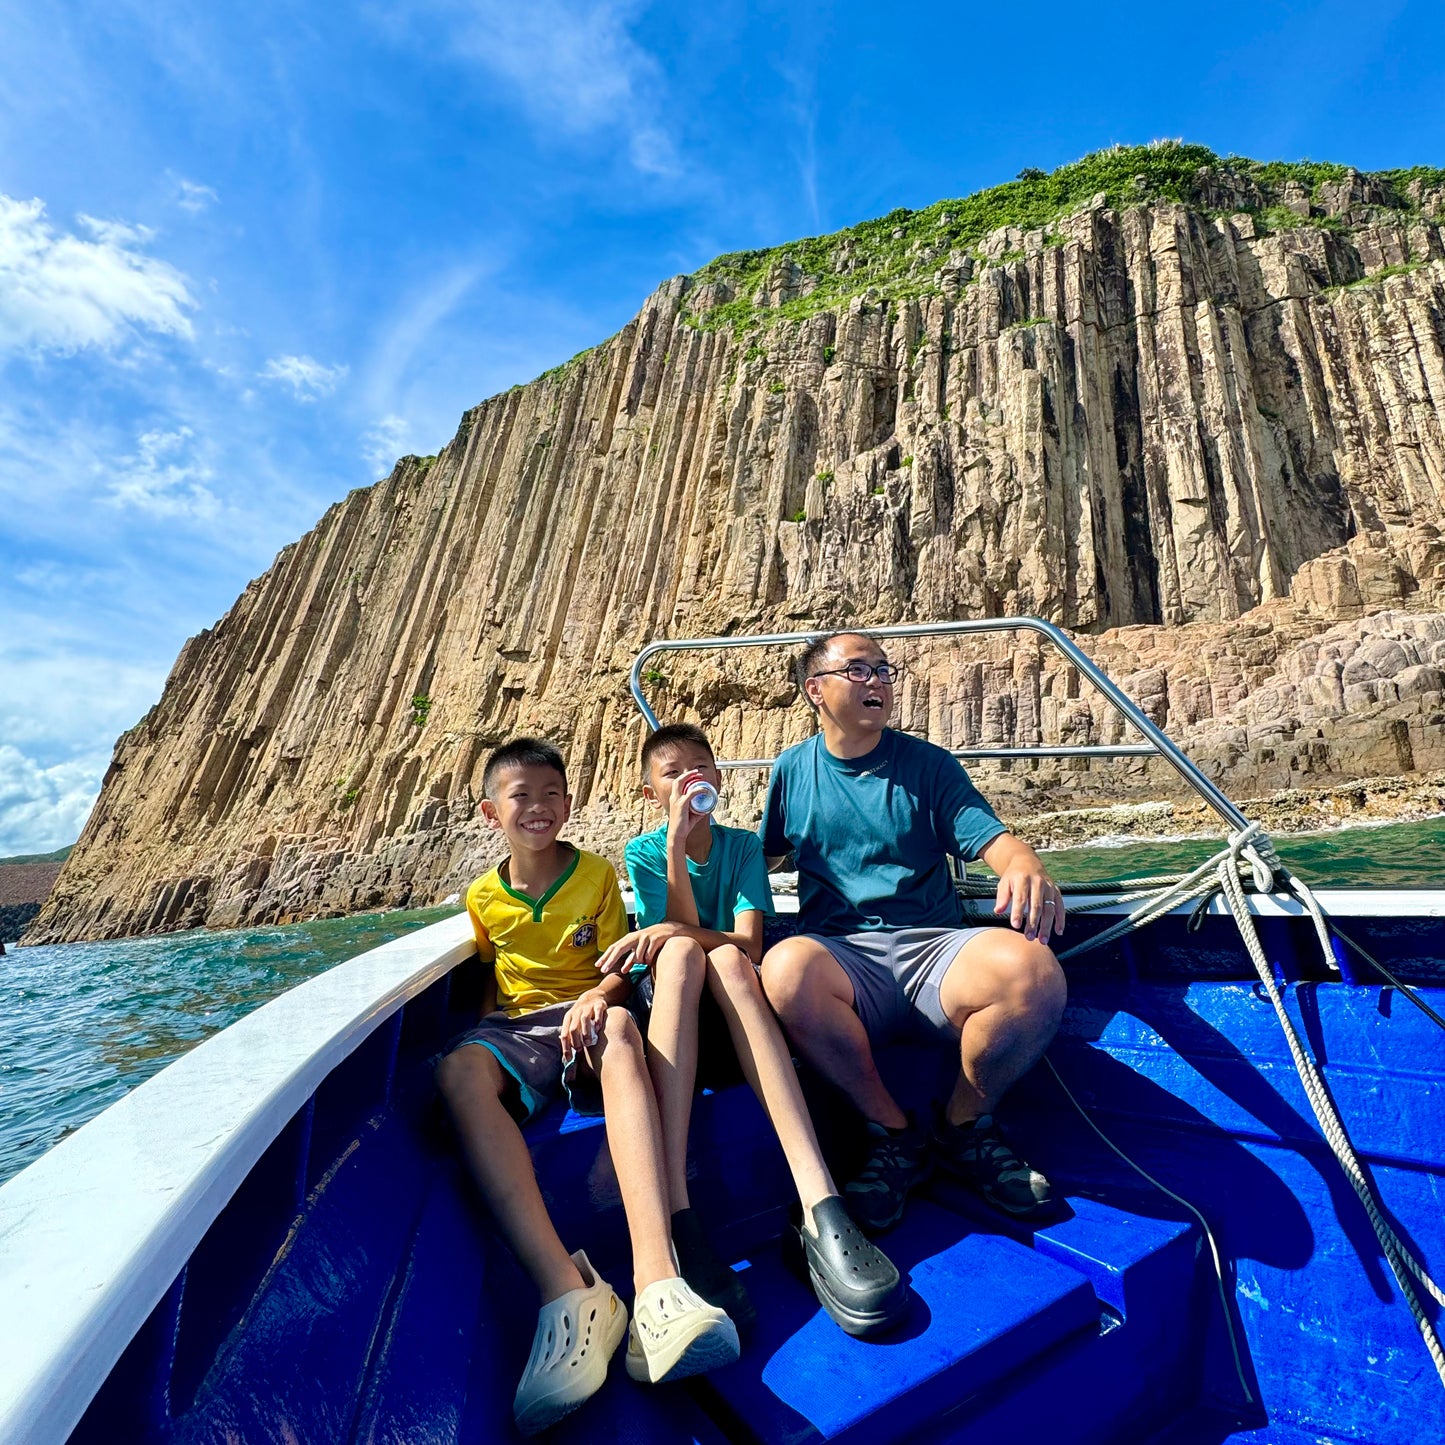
59,856
897,255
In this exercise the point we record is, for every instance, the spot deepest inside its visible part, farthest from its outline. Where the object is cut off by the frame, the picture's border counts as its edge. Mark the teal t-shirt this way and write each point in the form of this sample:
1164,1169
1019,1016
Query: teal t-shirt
733,880
871,836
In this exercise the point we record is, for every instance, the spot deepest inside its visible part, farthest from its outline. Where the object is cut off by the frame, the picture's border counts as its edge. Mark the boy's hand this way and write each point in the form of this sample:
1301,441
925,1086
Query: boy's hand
1033,902
681,819
638,947
619,955
582,1023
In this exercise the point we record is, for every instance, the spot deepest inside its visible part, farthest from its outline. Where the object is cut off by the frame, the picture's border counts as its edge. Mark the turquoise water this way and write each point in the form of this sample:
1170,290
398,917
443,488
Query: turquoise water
1395,855
81,1024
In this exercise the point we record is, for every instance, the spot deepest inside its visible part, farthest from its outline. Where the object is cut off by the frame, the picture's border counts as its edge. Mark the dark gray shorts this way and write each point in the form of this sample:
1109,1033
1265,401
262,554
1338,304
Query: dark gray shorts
896,973
529,1049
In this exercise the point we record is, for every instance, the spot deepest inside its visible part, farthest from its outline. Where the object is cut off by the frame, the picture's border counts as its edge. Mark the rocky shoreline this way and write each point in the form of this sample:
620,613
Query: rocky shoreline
1406,799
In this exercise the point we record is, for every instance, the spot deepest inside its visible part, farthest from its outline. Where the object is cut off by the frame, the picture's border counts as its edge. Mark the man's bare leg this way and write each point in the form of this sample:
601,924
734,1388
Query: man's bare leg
1005,995
813,997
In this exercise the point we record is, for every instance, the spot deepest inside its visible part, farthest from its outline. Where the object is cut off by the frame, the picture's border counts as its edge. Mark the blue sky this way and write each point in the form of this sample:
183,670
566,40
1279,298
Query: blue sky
249,254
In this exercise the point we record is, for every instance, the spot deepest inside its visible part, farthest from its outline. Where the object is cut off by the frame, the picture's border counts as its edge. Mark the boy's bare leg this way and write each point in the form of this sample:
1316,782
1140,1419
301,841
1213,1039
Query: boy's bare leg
672,1052
472,1081
634,1136
814,999
768,1067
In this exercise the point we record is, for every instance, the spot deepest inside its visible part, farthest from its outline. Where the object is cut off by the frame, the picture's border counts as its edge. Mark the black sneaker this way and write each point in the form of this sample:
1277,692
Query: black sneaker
855,1282
979,1155
699,1264
897,1162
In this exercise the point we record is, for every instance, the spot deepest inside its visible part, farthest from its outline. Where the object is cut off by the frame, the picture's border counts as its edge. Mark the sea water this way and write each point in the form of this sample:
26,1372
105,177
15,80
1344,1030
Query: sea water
81,1024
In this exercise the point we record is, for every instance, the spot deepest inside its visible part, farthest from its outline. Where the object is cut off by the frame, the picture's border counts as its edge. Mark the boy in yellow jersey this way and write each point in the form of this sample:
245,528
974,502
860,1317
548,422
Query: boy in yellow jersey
543,917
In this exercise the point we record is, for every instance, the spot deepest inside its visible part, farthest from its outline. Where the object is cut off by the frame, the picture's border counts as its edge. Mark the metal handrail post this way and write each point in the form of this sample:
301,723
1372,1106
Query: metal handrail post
1121,702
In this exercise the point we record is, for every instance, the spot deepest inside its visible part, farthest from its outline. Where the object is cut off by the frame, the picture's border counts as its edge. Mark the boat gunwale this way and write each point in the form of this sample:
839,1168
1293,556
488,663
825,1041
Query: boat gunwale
95,1231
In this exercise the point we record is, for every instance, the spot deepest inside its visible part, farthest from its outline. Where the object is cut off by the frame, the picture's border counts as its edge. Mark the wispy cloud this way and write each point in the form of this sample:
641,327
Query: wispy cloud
307,377
165,478
192,196
574,67
416,316
803,105
383,442
62,293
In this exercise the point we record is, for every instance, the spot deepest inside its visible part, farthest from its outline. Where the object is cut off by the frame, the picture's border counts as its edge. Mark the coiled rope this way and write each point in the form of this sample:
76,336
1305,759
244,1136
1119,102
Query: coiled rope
1250,853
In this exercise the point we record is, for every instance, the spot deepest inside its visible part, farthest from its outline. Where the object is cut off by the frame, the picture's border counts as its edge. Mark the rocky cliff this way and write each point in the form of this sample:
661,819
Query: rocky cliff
1192,409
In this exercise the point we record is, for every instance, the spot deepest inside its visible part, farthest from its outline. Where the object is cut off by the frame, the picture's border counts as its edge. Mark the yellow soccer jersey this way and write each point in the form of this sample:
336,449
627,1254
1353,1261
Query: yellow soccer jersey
546,949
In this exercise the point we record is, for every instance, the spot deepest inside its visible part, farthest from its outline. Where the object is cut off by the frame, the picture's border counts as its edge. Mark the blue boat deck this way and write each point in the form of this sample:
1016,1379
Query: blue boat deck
352,1292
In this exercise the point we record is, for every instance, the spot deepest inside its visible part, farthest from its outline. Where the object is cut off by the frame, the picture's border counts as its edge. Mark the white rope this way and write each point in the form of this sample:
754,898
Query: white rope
1251,850
1402,1262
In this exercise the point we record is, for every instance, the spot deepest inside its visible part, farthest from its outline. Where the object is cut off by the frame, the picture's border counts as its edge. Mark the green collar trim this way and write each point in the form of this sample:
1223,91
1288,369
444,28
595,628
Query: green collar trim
538,904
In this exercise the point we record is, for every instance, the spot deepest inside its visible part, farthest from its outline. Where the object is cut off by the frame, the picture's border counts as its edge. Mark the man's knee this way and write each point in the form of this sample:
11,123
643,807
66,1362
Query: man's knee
469,1072
1023,975
792,979
1042,988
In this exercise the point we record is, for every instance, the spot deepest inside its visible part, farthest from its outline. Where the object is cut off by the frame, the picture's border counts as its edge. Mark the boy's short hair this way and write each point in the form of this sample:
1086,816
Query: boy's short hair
669,737
521,753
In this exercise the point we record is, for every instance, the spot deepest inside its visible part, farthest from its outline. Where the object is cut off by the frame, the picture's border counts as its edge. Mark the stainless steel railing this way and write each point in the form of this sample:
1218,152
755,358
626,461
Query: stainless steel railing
1157,744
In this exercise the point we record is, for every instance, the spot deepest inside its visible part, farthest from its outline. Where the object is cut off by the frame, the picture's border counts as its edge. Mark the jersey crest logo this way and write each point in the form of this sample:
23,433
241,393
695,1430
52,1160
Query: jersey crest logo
585,936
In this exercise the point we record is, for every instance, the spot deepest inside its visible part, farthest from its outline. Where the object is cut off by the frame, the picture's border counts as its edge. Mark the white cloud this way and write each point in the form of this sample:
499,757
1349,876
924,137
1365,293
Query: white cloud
383,443
45,808
164,478
62,293
192,196
307,377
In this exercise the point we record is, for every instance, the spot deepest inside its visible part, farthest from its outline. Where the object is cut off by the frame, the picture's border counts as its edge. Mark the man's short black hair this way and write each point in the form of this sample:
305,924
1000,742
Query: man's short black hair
521,753
817,651
669,737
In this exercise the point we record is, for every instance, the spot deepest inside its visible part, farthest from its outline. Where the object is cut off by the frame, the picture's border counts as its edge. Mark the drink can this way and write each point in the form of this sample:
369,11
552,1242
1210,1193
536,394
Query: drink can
701,797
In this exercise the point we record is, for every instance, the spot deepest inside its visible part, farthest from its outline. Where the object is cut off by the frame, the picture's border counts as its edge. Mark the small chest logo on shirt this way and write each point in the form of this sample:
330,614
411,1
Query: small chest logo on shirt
585,936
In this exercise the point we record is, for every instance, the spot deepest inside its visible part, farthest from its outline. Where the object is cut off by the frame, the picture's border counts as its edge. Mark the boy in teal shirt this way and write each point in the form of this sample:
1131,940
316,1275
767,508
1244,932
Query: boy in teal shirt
702,894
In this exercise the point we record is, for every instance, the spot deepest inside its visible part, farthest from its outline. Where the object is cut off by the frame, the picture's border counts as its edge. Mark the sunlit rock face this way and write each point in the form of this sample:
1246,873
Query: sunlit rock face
1206,435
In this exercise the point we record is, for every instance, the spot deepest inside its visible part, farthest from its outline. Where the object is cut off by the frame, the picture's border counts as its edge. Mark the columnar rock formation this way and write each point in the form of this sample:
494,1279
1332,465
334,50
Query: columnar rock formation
1207,434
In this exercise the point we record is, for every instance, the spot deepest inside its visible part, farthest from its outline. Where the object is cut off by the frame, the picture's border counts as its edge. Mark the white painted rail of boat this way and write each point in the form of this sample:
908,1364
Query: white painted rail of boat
94,1232
1336,902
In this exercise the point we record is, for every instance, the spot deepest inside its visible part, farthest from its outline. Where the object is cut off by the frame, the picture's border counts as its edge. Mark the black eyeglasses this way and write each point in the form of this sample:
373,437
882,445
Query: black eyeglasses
860,672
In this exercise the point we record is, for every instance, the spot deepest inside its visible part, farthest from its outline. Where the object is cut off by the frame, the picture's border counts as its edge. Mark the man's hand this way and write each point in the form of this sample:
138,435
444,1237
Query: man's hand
582,1023
681,819
1026,893
640,946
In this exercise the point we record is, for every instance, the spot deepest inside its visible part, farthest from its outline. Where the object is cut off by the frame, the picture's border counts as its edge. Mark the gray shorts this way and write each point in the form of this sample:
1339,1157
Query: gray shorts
896,973
529,1049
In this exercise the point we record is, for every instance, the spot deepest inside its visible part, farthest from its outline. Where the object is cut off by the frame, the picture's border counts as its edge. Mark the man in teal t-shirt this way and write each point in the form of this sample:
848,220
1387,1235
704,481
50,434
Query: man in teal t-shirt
872,816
